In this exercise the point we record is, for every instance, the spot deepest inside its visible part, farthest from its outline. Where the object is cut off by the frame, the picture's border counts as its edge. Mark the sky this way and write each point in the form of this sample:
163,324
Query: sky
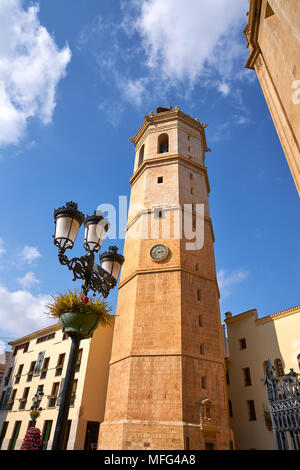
76,79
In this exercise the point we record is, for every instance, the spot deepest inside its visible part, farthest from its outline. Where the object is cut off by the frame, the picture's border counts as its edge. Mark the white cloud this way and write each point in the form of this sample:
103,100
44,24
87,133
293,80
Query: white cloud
185,41
30,253
22,313
134,90
31,65
224,89
28,280
227,281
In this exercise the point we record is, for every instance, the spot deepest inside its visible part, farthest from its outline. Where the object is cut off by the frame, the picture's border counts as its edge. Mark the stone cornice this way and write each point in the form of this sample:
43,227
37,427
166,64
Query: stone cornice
276,316
36,334
134,219
172,114
261,321
185,269
169,159
251,32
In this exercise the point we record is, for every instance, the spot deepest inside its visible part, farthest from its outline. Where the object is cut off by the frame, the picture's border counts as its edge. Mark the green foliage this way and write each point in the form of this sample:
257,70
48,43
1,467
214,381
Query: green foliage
77,302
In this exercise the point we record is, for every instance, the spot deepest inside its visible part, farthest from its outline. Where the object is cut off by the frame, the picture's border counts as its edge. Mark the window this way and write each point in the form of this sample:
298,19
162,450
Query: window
23,400
203,382
60,364
163,143
45,338
251,410
197,267
15,435
247,377
158,213
243,344
53,396
192,191
201,348
227,378
191,176
6,380
279,367
19,373
2,399
23,346
199,295
230,408
30,372
160,179
3,432
79,357
187,443
141,155
11,401
200,322
73,395
44,369
46,434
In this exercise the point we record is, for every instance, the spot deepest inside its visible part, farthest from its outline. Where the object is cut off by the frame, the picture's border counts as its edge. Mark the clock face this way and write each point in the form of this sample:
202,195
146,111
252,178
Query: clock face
159,252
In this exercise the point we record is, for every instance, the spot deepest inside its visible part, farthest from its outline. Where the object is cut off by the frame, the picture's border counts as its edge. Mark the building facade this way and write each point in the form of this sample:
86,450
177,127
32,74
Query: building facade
252,341
3,362
273,38
167,385
38,362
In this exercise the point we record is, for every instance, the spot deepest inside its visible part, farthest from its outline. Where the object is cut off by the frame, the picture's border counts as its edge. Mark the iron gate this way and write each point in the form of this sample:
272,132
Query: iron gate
284,400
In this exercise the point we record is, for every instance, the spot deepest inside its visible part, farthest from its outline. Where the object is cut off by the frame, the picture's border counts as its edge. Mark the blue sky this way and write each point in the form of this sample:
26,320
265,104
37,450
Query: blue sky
76,79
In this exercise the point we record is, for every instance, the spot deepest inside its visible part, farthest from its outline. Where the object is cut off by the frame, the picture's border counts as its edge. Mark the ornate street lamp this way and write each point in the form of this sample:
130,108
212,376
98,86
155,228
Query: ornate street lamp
35,409
97,278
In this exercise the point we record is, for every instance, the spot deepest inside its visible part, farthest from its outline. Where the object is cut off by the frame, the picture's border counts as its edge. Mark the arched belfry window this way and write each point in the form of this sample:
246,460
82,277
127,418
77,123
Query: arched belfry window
163,143
279,367
141,155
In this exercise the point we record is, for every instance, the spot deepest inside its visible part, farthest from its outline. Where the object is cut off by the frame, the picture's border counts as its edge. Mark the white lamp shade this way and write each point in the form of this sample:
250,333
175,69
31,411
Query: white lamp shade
66,231
112,267
94,234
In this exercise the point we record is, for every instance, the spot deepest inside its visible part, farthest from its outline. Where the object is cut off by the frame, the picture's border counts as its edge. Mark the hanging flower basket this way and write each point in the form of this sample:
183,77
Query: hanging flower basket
78,314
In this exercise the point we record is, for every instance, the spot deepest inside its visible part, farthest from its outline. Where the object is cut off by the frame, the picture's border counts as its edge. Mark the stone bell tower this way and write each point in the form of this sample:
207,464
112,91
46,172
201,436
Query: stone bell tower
167,377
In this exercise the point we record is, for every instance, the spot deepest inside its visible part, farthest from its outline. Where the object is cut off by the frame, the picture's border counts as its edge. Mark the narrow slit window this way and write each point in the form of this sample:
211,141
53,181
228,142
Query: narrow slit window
160,179
141,155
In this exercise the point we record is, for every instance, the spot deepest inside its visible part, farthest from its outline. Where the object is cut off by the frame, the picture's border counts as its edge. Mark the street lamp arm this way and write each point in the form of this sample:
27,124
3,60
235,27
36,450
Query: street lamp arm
95,277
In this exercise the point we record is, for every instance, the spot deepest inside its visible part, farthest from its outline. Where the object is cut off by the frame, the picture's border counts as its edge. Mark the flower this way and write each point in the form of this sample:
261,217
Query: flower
84,299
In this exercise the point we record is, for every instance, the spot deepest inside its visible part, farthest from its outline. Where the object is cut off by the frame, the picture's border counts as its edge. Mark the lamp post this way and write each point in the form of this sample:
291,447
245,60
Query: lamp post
97,278
35,409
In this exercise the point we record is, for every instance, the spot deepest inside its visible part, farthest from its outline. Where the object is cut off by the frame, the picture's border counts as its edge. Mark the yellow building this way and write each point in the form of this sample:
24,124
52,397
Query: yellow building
167,386
38,362
251,342
273,38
